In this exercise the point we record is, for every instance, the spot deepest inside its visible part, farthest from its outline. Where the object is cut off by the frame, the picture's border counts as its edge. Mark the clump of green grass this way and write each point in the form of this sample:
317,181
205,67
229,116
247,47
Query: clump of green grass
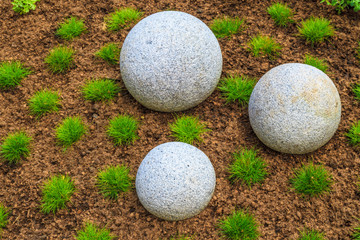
311,180
354,133
100,90
70,131
114,180
71,28
122,18
188,129
43,102
56,191
93,232
240,225
237,88
264,45
247,167
356,91
341,5
281,14
227,26
110,53
60,59
11,74
311,235
23,6
316,30
4,213
316,62
15,147
122,129
356,233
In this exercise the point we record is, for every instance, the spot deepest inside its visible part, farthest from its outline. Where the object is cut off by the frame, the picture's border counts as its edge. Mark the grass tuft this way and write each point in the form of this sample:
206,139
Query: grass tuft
57,191
70,131
264,45
122,18
24,6
4,213
320,64
227,26
60,59
354,132
113,181
110,53
281,14
93,232
356,233
311,180
237,88
316,30
100,90
11,74
15,147
311,235
188,129
71,28
247,167
356,91
341,5
240,225
122,129
43,102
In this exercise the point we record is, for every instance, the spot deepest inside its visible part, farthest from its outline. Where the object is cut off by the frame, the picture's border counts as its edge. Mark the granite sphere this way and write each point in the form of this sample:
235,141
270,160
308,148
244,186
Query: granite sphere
170,61
295,108
175,181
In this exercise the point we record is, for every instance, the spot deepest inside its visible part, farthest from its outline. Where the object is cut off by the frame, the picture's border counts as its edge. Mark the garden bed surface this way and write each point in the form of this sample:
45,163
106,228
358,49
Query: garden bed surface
280,212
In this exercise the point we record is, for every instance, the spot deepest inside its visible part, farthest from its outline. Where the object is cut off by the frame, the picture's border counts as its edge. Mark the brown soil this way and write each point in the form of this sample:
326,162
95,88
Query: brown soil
281,212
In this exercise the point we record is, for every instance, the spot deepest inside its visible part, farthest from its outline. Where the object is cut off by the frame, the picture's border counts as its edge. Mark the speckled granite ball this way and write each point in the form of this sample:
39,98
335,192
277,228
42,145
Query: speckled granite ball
170,61
175,181
295,108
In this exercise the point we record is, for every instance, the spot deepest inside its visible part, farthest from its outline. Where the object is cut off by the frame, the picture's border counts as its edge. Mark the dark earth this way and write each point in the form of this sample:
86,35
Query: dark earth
279,210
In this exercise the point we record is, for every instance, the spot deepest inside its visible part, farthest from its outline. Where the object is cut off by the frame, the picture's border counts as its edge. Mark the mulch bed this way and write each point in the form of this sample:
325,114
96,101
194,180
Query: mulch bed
280,212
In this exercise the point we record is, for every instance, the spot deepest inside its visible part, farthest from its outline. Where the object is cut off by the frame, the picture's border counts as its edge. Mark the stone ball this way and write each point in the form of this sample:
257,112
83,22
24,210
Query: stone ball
175,181
294,108
170,61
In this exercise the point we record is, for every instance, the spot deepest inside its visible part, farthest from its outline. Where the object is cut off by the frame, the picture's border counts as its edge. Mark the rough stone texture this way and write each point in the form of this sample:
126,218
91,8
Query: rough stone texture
175,181
295,108
170,61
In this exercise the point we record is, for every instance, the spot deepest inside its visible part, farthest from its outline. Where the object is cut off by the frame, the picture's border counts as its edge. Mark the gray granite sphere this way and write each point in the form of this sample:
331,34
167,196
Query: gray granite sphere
295,108
175,181
170,61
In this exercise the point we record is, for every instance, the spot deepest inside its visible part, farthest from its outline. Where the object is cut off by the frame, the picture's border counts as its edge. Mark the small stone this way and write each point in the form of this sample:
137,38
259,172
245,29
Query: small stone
96,106
175,181
295,108
170,61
